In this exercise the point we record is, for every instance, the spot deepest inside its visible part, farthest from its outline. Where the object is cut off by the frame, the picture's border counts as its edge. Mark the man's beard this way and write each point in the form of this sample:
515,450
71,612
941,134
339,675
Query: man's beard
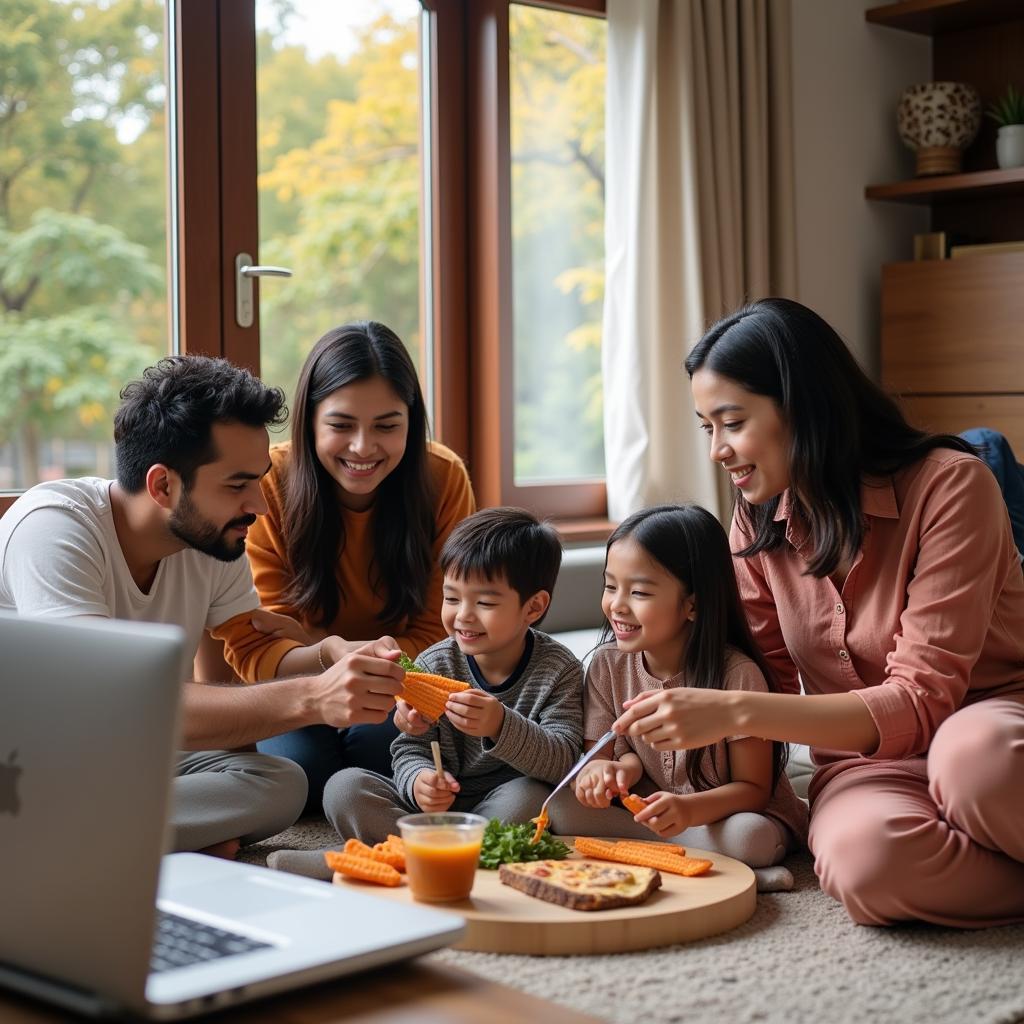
187,524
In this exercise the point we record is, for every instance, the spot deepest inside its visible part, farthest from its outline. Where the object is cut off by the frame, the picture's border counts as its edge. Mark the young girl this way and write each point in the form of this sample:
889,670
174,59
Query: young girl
671,603
359,504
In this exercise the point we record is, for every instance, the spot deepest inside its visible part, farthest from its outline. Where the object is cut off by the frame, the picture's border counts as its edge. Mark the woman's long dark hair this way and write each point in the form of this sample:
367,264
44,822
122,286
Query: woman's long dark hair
404,510
689,542
842,425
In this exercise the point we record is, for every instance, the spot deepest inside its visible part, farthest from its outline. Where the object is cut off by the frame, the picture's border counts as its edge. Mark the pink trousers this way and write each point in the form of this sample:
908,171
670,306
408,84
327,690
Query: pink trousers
938,838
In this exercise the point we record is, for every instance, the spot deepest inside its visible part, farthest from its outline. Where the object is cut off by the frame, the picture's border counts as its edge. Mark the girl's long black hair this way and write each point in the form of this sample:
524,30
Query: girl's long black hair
689,542
842,425
404,523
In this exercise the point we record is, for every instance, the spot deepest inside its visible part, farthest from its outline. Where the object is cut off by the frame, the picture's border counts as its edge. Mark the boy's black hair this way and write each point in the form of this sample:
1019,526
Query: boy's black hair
507,543
167,416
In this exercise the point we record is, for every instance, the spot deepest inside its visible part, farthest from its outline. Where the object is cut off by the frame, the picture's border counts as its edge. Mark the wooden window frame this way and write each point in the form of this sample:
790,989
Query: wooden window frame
470,247
472,253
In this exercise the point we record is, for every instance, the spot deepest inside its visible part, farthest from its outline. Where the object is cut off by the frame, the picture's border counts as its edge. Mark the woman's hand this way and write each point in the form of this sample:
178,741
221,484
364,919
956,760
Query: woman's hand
601,781
333,648
282,627
682,718
666,814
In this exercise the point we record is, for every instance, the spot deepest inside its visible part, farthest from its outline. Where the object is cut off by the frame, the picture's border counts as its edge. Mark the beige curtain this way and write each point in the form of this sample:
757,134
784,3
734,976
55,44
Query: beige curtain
699,220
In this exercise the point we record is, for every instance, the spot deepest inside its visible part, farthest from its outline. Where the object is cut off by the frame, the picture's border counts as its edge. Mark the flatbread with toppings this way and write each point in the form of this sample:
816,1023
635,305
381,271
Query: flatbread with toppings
582,884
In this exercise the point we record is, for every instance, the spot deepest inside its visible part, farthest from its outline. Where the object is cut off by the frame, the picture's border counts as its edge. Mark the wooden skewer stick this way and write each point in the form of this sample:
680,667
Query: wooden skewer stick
435,749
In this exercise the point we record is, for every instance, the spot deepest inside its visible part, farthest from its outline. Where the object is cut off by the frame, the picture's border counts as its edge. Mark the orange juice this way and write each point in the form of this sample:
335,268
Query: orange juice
441,864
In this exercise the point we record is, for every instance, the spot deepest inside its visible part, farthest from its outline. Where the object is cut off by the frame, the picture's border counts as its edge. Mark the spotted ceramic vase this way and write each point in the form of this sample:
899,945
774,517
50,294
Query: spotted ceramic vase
938,120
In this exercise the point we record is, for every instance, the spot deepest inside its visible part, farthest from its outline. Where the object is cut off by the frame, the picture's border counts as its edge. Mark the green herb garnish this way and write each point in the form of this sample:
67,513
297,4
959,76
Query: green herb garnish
408,664
510,844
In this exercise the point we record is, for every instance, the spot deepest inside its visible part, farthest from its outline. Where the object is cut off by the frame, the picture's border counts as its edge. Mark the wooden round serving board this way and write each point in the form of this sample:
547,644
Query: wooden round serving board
500,919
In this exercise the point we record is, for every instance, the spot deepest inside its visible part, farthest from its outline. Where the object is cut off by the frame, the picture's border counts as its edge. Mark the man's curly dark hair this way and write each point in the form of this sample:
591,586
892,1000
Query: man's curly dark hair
167,416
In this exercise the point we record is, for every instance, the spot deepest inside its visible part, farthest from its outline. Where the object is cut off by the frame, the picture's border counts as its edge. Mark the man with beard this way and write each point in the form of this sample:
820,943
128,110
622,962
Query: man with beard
164,543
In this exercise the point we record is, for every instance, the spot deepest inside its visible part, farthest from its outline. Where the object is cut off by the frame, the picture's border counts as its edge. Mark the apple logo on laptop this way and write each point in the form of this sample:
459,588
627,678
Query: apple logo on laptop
9,773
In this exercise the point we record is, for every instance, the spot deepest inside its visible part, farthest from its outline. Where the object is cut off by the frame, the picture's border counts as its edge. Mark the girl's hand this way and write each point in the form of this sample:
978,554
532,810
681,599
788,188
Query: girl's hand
666,814
475,713
434,793
279,626
601,781
409,720
678,719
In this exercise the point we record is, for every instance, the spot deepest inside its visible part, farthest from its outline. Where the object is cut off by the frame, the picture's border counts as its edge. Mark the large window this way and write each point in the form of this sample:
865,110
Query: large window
556,82
434,164
338,136
83,194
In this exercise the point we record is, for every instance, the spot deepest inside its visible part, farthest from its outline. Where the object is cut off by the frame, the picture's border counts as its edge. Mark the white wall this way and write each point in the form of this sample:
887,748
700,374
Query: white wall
847,79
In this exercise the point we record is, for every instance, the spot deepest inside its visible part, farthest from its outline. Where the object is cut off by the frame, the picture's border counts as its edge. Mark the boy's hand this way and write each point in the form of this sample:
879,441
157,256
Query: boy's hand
475,713
666,814
434,793
601,781
409,720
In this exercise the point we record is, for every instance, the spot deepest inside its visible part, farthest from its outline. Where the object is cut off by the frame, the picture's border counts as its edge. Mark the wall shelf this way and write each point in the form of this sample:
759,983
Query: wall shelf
951,187
935,17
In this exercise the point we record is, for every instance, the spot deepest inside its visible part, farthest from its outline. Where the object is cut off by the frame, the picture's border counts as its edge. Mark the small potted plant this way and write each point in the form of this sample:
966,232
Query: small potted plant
1008,113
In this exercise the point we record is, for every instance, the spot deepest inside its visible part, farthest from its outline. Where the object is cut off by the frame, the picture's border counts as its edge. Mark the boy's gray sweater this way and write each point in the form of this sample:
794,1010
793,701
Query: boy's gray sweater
541,736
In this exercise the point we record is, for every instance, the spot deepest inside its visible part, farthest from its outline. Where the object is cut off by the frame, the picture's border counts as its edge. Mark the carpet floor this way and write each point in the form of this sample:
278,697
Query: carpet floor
798,959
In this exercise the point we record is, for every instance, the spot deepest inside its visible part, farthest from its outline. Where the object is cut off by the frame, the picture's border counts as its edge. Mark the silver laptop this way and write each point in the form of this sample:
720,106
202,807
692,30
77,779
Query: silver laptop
92,916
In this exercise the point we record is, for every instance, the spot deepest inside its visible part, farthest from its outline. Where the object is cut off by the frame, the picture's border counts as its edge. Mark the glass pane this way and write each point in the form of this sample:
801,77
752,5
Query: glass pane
339,162
557,74
83,237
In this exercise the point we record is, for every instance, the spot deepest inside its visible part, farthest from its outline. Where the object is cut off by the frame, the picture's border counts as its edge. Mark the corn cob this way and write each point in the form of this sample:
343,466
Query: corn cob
395,842
624,853
357,848
642,844
600,848
633,803
387,854
428,693
362,868
381,852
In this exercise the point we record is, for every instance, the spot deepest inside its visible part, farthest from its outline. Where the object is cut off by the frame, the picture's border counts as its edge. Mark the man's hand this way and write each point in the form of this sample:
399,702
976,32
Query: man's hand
601,781
666,814
475,713
360,688
434,793
409,720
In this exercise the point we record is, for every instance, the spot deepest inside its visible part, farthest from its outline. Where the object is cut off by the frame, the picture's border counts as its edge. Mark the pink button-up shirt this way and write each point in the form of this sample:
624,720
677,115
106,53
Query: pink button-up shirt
930,618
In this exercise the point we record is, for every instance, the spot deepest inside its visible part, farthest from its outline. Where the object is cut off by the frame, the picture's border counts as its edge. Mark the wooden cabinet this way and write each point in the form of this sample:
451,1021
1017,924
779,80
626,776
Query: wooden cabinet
952,331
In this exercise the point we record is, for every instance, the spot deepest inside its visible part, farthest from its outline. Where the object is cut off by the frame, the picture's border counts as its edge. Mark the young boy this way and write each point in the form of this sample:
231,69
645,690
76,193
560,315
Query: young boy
519,727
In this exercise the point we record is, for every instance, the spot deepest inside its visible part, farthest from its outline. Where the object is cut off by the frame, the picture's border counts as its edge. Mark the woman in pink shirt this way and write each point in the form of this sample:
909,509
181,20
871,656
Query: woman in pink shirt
877,562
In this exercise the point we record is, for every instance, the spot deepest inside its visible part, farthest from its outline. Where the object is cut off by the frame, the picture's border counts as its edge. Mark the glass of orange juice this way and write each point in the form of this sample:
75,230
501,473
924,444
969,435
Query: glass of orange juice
442,852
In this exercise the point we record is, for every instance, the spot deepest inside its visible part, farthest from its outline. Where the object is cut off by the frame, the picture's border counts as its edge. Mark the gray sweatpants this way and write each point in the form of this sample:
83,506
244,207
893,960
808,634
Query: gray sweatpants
752,838
366,805
223,794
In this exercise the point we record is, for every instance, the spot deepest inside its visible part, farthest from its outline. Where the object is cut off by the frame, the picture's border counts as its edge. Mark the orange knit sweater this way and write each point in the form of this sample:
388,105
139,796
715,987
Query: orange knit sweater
357,619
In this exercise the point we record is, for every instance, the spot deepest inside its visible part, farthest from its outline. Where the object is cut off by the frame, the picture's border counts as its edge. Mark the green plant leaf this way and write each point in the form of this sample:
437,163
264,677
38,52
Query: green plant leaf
510,844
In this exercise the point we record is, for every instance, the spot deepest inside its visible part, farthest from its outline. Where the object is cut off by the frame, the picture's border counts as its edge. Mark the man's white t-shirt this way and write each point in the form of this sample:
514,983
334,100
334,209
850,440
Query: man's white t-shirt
60,557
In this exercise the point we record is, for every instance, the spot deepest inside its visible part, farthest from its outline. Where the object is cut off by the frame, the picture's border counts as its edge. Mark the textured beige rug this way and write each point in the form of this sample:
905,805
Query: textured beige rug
797,960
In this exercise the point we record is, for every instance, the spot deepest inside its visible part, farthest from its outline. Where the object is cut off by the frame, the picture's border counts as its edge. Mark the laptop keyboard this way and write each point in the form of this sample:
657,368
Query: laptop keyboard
180,941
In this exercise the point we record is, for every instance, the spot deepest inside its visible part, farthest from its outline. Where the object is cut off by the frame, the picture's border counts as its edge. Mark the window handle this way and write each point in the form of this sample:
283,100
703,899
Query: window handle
245,271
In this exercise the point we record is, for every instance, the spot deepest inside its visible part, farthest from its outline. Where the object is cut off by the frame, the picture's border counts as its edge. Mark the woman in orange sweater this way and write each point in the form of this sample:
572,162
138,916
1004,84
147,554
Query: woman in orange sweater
360,503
